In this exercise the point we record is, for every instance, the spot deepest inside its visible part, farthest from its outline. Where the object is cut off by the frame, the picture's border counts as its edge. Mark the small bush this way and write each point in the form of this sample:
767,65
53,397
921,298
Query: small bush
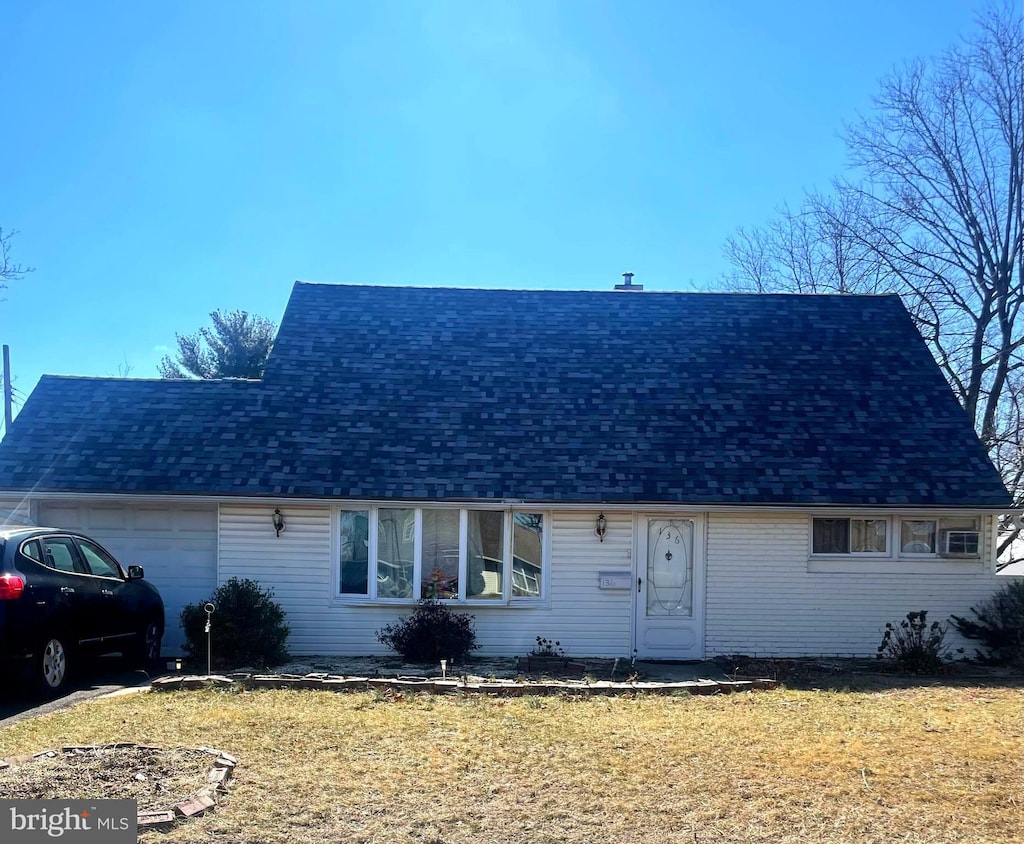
432,633
915,644
999,625
248,627
547,647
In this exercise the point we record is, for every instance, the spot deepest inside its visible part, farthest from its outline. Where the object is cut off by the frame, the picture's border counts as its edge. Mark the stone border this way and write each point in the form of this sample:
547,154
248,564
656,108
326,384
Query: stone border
458,685
219,777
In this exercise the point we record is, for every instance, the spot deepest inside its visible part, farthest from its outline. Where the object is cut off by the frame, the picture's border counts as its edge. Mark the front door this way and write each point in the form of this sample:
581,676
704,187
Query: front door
669,612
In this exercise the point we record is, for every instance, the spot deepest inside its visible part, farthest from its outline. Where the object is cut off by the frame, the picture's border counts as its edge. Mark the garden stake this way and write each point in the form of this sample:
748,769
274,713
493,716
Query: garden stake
209,651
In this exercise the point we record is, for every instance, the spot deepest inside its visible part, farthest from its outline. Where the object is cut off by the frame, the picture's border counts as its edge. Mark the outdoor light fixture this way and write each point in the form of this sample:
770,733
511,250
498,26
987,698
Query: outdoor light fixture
602,527
278,521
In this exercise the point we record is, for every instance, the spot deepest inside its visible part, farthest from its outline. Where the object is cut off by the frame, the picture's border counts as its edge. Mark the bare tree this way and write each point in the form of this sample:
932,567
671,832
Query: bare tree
932,209
236,346
812,250
124,368
10,270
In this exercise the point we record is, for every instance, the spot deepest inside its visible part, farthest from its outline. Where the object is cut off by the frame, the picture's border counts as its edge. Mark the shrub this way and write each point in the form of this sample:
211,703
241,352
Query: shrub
248,627
915,644
547,647
999,625
432,633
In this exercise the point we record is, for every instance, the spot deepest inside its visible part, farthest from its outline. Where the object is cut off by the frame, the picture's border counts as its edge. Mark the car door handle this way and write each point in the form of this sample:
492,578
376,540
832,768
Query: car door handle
67,590
106,592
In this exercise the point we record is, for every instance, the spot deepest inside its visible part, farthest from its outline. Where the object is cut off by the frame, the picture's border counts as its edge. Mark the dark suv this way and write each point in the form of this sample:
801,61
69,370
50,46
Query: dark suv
62,596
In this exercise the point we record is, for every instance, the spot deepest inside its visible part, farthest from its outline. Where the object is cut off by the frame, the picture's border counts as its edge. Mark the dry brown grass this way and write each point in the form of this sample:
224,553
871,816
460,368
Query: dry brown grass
922,765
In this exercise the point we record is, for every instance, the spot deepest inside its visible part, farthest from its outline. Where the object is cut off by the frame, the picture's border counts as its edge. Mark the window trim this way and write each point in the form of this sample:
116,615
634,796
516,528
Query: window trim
373,554
81,543
872,555
507,599
920,555
82,566
894,554
25,543
80,569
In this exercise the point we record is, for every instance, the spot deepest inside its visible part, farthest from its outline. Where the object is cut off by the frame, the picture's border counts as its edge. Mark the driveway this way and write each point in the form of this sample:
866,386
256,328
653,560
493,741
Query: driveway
101,677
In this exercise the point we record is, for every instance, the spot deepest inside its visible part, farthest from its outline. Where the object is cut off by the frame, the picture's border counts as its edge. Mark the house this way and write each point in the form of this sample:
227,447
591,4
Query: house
679,475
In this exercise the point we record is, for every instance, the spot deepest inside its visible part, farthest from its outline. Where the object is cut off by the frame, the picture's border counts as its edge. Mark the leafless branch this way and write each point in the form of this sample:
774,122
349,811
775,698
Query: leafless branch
932,209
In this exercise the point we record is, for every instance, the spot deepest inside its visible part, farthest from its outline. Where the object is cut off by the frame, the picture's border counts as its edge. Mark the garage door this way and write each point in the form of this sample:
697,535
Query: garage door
176,543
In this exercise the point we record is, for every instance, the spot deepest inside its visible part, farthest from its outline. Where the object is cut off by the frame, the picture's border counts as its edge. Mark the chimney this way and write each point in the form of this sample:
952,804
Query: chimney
627,285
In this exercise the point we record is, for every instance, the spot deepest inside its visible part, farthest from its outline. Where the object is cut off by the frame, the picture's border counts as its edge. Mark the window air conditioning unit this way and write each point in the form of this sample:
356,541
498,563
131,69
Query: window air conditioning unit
960,543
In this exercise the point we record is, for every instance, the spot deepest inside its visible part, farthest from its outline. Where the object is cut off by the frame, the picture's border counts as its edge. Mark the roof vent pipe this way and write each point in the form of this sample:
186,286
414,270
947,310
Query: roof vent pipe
627,284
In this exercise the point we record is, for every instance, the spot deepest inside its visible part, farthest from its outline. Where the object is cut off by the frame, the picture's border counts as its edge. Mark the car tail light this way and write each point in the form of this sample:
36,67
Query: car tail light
11,587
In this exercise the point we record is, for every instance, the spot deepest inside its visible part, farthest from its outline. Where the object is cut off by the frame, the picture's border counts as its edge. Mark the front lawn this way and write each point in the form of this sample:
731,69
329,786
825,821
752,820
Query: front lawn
921,764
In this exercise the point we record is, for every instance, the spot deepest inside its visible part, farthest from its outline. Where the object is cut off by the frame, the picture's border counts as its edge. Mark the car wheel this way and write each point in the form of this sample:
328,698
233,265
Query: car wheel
145,653
52,666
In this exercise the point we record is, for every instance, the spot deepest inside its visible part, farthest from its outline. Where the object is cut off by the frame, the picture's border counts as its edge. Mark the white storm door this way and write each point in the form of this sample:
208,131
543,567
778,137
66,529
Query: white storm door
669,593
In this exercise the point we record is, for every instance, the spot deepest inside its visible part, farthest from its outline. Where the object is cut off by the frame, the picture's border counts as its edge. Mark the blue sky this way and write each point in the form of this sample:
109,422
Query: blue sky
162,160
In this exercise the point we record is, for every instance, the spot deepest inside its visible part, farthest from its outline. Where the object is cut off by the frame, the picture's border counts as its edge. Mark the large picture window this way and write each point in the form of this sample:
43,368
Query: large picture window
475,555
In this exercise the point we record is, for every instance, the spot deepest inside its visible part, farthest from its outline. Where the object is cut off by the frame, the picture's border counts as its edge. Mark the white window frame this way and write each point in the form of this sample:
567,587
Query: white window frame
917,555
874,555
506,599
373,555
895,559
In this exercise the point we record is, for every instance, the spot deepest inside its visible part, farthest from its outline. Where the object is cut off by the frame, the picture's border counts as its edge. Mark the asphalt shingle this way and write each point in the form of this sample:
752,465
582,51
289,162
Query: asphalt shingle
435,393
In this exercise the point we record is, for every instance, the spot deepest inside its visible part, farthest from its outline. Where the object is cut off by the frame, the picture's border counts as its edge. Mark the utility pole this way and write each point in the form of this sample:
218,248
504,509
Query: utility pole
7,389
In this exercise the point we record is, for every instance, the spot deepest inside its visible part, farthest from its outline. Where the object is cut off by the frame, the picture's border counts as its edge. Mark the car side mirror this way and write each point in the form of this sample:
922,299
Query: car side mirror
136,573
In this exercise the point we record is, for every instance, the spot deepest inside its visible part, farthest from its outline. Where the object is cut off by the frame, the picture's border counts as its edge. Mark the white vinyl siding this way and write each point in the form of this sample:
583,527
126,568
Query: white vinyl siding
175,543
765,598
588,621
766,593
298,566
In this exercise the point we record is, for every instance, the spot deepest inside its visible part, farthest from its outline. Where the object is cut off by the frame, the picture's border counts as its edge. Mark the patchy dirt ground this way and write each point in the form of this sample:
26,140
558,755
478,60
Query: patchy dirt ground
865,674
155,778
862,674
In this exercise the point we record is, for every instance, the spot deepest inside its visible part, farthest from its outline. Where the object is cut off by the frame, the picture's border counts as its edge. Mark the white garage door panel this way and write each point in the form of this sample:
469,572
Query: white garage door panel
106,518
62,516
176,544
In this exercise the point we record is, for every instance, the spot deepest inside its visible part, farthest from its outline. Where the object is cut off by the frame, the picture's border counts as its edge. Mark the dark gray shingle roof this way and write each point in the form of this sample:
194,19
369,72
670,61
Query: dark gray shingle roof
420,393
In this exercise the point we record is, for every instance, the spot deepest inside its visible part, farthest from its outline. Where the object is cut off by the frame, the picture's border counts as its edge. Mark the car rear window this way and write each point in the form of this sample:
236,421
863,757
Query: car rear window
31,550
59,553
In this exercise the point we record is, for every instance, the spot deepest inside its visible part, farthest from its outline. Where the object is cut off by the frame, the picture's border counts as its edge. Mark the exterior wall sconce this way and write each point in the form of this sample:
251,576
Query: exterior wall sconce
601,528
278,521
